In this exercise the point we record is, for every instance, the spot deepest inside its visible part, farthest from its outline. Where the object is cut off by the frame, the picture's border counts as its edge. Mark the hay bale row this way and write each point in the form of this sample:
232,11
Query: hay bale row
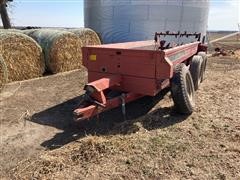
27,54
3,73
62,49
22,56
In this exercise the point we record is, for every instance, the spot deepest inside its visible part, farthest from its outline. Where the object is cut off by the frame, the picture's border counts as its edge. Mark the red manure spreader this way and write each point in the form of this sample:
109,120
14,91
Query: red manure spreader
123,72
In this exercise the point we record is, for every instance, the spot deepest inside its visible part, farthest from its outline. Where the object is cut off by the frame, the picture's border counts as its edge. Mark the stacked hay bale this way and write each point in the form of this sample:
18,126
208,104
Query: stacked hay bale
88,36
62,49
22,56
3,73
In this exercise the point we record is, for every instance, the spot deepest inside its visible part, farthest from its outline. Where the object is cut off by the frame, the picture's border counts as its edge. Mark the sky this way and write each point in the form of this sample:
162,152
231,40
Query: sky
223,15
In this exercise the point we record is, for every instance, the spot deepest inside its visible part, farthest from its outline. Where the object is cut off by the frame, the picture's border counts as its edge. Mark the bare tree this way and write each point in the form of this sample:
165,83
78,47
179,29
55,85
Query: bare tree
4,14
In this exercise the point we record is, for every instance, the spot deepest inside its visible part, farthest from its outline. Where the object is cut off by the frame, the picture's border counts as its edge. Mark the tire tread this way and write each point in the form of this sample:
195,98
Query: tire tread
179,90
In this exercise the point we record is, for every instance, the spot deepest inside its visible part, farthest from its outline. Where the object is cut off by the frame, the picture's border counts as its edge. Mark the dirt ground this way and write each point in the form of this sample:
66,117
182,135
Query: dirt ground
39,140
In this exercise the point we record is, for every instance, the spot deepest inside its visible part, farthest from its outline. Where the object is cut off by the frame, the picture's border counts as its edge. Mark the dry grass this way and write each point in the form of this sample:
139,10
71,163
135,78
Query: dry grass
230,44
160,144
89,150
22,55
62,49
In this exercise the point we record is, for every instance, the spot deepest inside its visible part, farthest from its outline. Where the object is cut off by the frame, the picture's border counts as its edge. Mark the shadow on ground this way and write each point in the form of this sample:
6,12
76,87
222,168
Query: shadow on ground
108,123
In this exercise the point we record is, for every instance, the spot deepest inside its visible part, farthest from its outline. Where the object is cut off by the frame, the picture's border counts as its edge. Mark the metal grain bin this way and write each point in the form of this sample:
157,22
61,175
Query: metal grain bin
134,20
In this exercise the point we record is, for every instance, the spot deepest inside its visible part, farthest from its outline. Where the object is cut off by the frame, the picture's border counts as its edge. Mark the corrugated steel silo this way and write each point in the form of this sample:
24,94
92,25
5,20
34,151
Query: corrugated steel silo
134,20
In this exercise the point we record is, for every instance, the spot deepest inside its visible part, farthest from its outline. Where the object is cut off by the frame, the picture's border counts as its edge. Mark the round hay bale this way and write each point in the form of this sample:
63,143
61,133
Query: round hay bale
22,55
88,36
62,49
3,73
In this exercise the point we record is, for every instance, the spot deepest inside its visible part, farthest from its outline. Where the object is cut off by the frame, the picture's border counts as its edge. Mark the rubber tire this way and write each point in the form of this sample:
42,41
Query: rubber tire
204,65
182,90
196,70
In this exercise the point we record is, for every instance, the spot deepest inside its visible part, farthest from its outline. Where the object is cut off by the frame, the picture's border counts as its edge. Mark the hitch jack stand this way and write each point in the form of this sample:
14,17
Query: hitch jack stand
95,100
